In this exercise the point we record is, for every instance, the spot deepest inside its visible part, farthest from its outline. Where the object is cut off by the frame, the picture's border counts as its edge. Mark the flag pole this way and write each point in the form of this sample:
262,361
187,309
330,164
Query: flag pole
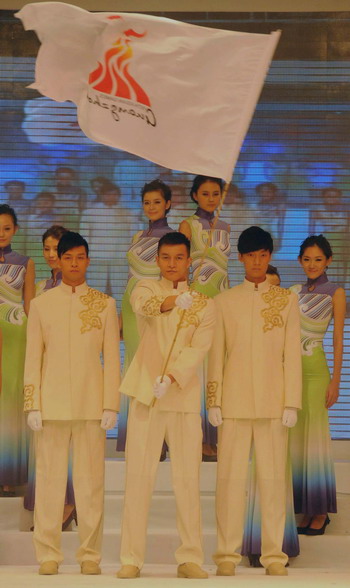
197,272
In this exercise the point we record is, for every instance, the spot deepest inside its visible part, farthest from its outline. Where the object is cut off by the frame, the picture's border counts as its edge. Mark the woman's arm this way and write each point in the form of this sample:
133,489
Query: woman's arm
29,285
185,229
339,311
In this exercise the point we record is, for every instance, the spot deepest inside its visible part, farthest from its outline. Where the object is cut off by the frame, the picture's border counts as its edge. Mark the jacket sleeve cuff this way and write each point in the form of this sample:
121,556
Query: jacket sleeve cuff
213,394
31,401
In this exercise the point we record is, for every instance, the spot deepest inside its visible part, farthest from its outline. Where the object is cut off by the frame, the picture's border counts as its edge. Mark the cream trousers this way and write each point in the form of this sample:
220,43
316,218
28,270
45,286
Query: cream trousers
147,429
236,436
52,452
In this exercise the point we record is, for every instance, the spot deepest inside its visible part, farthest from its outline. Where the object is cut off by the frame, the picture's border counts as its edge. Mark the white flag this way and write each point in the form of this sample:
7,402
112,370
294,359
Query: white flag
179,95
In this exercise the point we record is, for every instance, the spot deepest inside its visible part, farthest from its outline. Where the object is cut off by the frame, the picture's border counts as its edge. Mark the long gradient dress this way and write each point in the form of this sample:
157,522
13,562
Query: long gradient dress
310,442
142,265
311,472
29,499
251,545
212,278
13,322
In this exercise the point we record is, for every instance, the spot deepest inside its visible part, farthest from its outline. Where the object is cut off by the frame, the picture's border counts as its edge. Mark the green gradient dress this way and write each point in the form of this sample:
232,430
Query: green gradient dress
311,476
211,280
13,322
310,440
142,265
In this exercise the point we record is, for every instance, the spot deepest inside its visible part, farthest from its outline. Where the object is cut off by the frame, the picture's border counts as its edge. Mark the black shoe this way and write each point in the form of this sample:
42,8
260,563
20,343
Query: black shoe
320,531
303,530
254,560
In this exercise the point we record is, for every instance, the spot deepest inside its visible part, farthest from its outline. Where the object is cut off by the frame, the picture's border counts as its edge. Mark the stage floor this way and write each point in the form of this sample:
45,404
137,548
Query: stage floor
157,576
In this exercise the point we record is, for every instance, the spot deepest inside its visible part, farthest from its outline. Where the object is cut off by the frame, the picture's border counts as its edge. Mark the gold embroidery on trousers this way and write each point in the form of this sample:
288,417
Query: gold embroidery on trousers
277,299
191,316
152,306
212,388
28,397
96,302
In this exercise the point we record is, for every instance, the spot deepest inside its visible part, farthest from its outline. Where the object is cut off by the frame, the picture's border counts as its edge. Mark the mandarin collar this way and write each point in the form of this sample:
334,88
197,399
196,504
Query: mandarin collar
262,287
6,249
157,224
204,214
58,279
81,289
322,279
181,286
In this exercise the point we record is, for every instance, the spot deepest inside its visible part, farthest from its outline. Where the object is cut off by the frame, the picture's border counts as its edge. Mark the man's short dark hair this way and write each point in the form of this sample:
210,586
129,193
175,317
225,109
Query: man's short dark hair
70,240
175,238
254,239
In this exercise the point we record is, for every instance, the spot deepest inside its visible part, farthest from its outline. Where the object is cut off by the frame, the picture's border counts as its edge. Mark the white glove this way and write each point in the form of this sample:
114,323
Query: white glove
184,300
290,417
161,387
109,420
34,420
215,416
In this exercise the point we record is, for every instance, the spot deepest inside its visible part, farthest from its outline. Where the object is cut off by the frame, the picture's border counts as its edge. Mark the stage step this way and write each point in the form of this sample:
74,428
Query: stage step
17,546
315,552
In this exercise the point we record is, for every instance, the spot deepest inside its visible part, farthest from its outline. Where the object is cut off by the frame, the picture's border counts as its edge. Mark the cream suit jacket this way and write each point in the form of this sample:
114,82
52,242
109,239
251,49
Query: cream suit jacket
157,331
255,362
68,333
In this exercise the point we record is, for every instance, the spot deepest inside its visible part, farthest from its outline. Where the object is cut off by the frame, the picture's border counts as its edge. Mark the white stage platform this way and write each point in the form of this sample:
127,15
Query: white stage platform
324,561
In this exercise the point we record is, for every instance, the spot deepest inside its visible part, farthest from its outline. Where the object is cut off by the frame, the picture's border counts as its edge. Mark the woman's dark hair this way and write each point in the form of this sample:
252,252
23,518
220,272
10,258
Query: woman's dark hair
55,231
157,186
70,240
318,240
6,209
253,239
199,180
273,271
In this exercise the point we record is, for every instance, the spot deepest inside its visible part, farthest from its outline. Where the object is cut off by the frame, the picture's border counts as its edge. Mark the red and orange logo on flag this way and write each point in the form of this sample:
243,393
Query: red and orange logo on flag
113,76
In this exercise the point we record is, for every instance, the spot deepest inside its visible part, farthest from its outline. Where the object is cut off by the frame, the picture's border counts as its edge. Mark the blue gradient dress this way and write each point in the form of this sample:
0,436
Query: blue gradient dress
210,280
310,470
142,265
310,441
13,322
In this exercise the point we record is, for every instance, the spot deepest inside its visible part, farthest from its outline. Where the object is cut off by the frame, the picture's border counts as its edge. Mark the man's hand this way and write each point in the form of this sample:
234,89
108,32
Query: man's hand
290,417
109,420
161,387
184,300
34,420
215,416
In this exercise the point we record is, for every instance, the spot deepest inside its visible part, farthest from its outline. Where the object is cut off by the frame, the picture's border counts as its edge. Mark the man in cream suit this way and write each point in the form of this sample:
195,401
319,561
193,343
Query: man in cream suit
71,397
253,394
166,407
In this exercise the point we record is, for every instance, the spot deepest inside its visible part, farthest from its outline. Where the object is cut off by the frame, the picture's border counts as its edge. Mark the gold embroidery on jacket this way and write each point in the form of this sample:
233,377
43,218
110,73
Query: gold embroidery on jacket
96,302
212,388
191,315
277,299
152,306
28,397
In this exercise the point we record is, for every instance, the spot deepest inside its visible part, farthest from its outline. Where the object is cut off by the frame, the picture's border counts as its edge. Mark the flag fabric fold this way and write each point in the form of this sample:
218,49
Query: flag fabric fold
176,94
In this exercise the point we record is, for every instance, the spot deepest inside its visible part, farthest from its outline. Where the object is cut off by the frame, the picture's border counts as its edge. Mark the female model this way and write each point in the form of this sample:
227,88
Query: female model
210,277
17,276
156,202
